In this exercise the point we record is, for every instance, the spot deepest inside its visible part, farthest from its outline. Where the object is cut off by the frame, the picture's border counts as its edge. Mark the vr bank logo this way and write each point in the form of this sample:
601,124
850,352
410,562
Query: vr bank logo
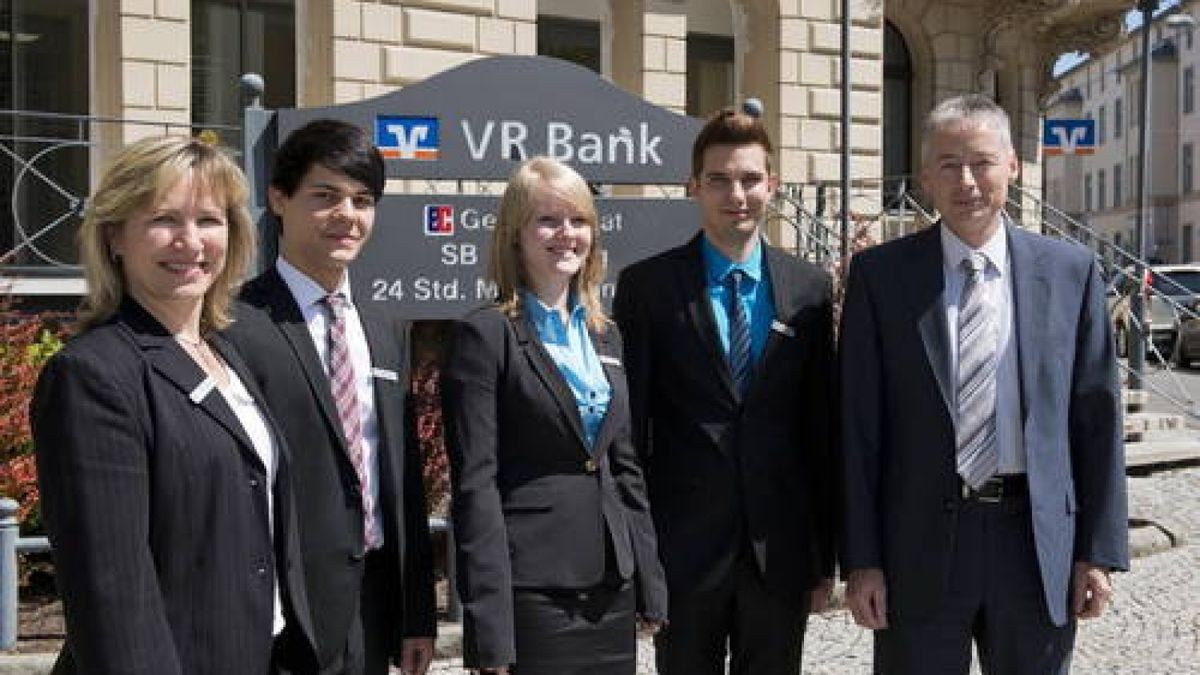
439,220
1069,136
402,137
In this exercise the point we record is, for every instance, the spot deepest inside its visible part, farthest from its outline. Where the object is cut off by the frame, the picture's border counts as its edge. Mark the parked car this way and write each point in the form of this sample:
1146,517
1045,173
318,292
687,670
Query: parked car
1171,295
1187,343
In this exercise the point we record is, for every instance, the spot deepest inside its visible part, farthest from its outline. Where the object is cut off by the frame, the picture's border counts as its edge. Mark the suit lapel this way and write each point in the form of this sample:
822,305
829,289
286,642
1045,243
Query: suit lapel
926,290
1031,289
548,372
694,282
609,354
386,358
780,276
285,313
168,359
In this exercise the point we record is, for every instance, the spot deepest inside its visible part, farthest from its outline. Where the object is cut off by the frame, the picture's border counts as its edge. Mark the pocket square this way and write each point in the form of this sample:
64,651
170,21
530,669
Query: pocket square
384,374
610,360
781,327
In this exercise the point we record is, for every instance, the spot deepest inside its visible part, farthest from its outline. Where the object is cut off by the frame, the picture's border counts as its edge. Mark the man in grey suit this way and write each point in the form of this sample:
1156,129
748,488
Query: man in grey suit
984,472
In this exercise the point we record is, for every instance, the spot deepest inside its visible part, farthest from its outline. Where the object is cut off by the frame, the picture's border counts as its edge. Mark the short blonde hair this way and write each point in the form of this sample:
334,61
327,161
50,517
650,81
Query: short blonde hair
506,268
138,179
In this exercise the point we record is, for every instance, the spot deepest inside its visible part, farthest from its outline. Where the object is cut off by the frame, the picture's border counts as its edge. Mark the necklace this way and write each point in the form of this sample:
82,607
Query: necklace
204,357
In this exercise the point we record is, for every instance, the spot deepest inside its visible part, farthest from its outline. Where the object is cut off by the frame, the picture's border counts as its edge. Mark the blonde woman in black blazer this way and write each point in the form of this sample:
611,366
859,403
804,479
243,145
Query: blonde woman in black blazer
556,547
164,482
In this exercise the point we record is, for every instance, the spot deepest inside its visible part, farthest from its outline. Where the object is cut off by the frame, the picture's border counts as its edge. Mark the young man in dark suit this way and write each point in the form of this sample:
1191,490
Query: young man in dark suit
335,376
729,353
984,472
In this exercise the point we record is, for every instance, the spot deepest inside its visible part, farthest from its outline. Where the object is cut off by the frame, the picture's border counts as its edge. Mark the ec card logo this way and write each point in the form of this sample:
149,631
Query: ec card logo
403,137
439,220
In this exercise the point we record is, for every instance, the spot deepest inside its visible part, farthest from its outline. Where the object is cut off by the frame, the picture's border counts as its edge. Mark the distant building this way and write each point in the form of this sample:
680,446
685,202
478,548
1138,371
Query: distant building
1101,189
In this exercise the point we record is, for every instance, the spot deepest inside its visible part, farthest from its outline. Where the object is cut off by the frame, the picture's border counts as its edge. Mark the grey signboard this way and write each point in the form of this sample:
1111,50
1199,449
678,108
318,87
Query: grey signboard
477,121
428,256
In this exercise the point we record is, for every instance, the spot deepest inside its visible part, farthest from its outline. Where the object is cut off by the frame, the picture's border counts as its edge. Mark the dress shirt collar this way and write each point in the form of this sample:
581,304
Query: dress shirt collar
306,291
718,266
955,250
548,321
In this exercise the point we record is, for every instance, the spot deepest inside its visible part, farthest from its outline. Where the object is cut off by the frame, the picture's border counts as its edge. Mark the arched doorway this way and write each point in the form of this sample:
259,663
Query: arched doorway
897,111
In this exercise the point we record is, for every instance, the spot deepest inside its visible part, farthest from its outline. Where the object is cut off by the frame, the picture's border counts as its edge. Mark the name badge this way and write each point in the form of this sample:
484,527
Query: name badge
610,360
202,390
781,327
385,374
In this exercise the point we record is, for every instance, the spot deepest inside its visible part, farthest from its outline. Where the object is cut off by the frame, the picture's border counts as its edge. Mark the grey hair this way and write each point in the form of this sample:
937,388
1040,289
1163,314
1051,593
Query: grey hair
959,110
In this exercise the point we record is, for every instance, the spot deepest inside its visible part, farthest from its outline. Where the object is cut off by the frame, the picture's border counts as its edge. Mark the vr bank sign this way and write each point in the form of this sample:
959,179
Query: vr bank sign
419,138
1069,137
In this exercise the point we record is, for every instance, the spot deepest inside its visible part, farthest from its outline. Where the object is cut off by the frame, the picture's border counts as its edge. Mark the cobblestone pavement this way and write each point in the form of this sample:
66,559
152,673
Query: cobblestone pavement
1153,627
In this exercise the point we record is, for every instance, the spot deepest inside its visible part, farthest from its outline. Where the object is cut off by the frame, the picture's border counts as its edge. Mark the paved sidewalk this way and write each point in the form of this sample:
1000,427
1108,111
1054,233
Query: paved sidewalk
1153,627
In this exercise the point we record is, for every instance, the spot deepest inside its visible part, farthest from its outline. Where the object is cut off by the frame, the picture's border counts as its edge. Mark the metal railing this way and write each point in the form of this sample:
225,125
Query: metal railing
49,156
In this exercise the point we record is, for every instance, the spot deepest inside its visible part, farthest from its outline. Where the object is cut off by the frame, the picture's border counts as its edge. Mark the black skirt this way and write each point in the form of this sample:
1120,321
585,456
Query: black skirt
576,632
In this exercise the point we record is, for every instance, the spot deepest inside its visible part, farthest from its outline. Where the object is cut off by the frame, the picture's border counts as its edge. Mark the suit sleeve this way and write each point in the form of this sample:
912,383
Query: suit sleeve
861,379
93,472
420,605
650,579
631,316
1096,430
470,387
818,409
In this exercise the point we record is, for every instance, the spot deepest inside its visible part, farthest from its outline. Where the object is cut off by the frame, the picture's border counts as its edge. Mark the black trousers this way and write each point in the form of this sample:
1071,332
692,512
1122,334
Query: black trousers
576,632
994,597
761,633
369,642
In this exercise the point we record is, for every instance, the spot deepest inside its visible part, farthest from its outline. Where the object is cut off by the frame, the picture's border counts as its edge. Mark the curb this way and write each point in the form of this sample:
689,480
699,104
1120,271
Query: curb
26,664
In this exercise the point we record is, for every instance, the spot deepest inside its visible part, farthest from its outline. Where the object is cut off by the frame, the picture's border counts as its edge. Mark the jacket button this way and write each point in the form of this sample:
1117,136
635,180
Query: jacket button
590,466
260,568
254,483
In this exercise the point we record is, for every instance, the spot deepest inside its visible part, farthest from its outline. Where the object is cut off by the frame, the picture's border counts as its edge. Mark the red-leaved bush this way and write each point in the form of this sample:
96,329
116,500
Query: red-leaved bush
27,341
429,347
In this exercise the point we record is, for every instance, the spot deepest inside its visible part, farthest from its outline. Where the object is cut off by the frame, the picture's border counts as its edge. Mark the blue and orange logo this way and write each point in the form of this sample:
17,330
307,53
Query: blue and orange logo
404,137
439,220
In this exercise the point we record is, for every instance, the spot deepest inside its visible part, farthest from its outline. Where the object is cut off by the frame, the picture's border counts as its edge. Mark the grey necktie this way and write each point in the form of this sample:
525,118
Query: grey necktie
975,431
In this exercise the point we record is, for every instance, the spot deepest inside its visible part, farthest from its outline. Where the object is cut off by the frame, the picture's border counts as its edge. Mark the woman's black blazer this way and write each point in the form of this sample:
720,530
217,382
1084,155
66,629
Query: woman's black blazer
156,506
532,507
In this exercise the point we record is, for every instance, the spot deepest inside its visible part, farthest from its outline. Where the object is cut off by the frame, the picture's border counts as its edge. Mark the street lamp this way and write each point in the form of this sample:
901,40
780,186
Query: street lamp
1137,303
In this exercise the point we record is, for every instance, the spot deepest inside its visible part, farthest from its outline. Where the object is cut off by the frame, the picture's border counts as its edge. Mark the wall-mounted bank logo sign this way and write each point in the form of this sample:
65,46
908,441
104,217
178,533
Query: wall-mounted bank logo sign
439,220
1069,136
408,137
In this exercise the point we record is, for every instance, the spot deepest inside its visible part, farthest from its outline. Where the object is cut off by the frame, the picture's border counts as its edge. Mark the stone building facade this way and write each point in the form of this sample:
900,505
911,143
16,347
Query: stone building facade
176,62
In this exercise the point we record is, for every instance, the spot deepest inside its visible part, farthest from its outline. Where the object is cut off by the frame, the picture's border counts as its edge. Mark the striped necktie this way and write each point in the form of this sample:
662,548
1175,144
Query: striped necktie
975,431
739,332
343,385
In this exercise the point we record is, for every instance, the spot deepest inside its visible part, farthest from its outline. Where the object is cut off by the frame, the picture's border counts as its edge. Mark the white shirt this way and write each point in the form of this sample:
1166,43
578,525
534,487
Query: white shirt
997,282
255,425
310,297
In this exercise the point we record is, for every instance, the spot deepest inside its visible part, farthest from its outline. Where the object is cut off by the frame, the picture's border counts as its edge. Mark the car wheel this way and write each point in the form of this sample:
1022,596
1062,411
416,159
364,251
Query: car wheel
1177,355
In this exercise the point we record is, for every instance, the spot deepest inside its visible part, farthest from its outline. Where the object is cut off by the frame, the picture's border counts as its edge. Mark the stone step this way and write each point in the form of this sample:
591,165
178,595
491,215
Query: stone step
1134,399
1163,448
1139,424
